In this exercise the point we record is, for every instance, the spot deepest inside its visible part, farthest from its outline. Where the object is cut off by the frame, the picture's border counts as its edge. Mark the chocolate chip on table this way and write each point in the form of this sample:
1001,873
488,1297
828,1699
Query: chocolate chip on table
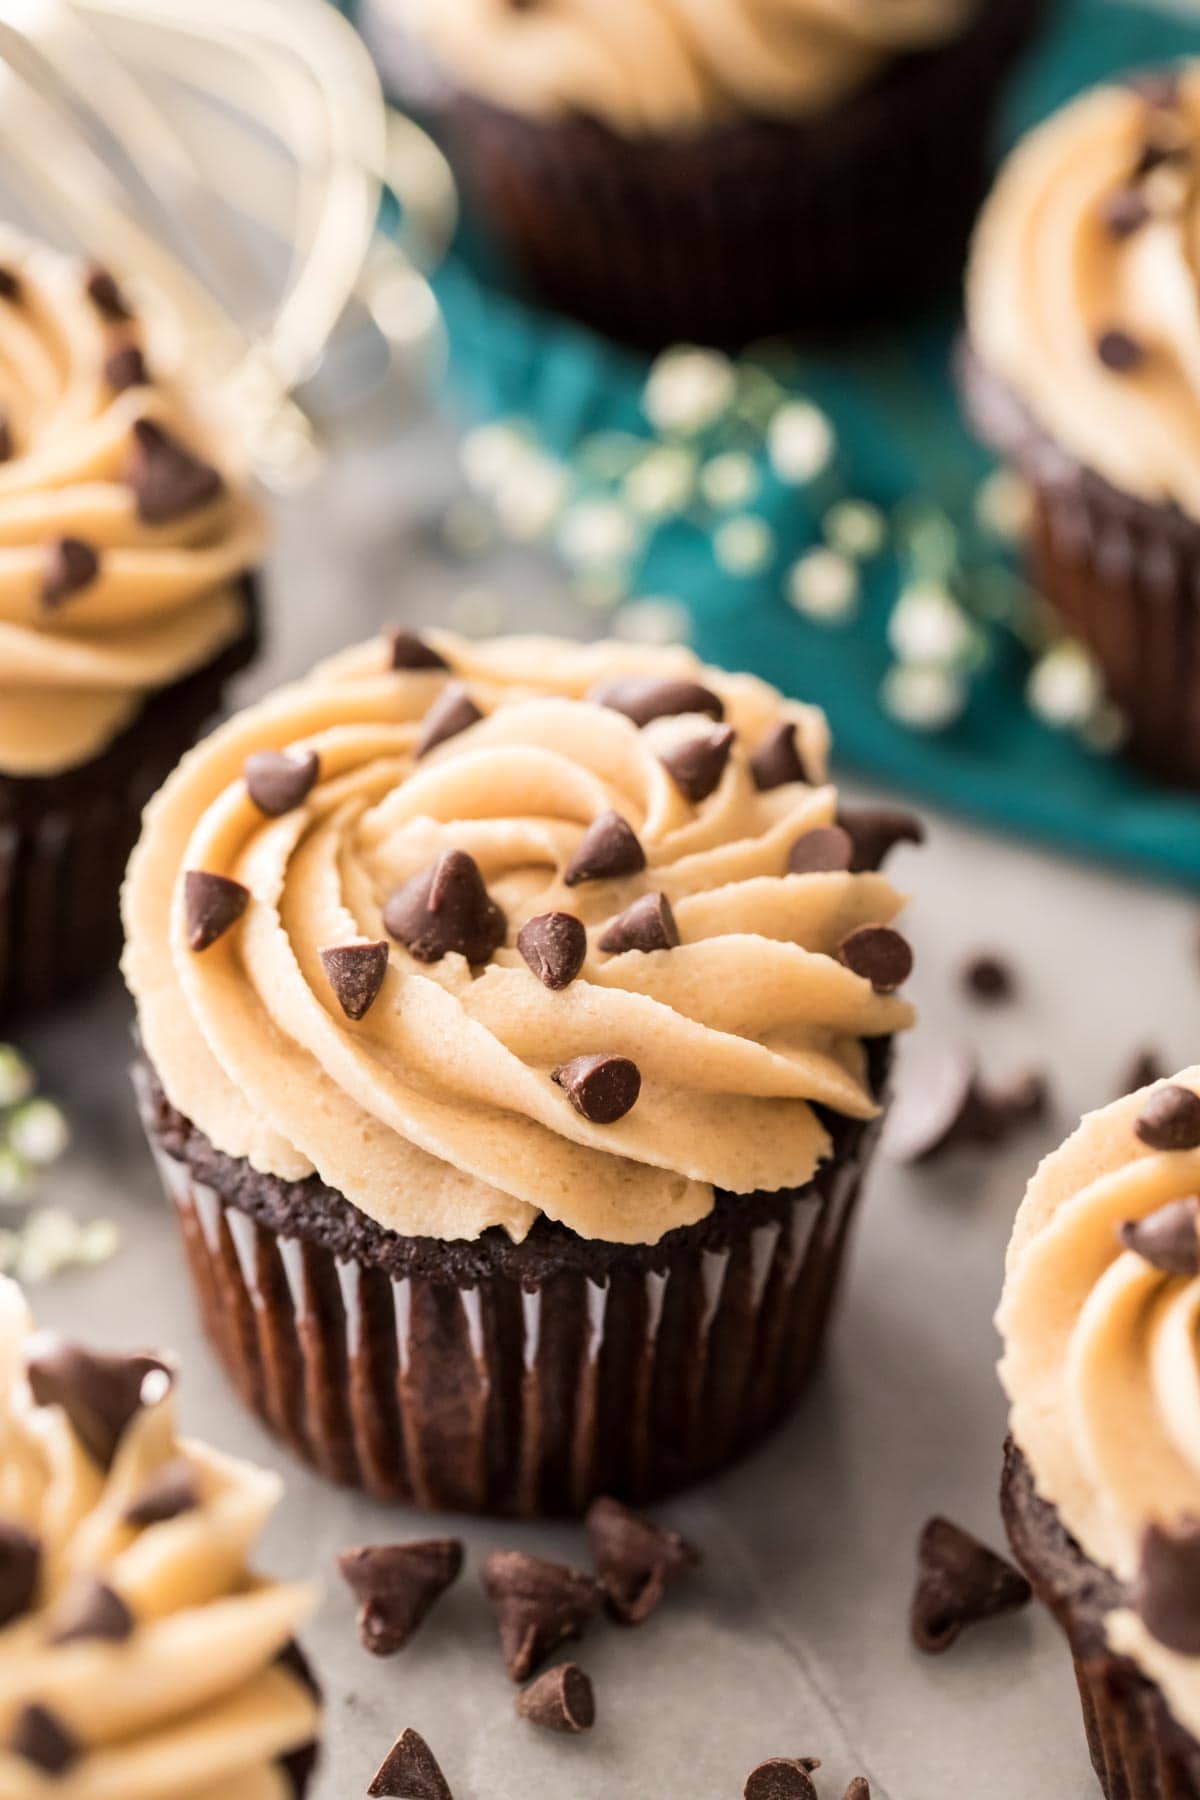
410,1772
1120,353
777,761
989,978
554,945
649,924
396,1586
698,763
601,1088
875,831
446,910
825,850
20,1571
782,1778
212,904
959,1583
1126,212
950,1105
89,1611
1170,1119
635,1559
126,368
172,1490
879,955
101,1395
560,1700
70,566
168,482
1166,1594
1146,1070
859,1789
608,848
644,698
278,781
355,973
408,650
11,285
538,1605
1168,1239
40,1737
452,712
106,296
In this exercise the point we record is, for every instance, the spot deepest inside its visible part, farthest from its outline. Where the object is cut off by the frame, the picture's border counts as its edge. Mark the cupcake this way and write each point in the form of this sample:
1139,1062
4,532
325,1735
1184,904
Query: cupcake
1102,1477
125,606
721,171
516,1031
140,1654
1083,369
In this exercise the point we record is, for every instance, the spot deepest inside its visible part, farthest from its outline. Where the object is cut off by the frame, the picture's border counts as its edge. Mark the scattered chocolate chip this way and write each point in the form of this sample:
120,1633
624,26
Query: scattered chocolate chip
167,480
11,286
70,566
636,1560
959,1583
859,1789
20,1571
100,1394
601,1088
396,1585
212,903
446,909
826,850
1022,1101
1166,1595
1170,1119
782,1778
777,760
649,924
452,712
126,368
990,979
875,832
1126,212
560,1700
106,296
880,955
554,944
410,1772
538,1606
1168,1239
644,698
1119,352
1146,1070
355,973
410,651
171,1491
39,1737
945,1104
608,848
89,1610
697,765
6,438
280,780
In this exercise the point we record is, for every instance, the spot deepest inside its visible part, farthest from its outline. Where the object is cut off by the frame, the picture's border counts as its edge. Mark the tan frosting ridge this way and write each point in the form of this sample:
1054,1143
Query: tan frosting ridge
669,65
194,1705
436,1114
1101,1362
166,598
1050,277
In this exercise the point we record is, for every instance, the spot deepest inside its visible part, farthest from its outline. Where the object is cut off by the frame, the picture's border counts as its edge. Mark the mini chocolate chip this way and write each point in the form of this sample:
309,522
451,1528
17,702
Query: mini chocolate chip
608,848
826,850
644,698
409,650
40,1737
1146,1070
1166,1595
1022,1101
1119,352
126,368
875,832
1169,1239
1159,88
859,1789
1163,148
636,1560
11,286
212,903
538,1606
990,979
880,955
946,1104
649,924
278,781
959,1583
782,1778
452,712
89,1610
1125,213
6,438
70,566
697,765
777,761
168,482
601,1088
554,944
106,296
410,1772
446,909
20,1571
355,973
396,1586
1170,1119
100,1394
173,1489
560,1700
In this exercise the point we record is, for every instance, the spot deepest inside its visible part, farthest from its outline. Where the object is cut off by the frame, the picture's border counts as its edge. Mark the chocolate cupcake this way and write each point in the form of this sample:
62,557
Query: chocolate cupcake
1084,369
1102,1477
721,171
140,1654
516,1027
125,607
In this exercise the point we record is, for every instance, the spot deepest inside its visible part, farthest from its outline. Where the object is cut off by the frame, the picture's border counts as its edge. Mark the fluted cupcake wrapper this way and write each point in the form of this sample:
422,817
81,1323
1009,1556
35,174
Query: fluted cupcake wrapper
1131,1759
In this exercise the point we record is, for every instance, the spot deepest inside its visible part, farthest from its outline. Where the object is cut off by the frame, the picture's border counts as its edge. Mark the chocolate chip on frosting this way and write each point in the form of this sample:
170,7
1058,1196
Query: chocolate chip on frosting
278,781
636,1560
554,944
1166,1594
880,955
538,1606
1159,88
600,1088
396,1586
644,698
875,831
100,1394
212,904
1119,352
356,974
960,1582
608,848
71,565
1126,212
408,650
1170,1119
410,1772
782,1778
446,909
825,850
168,482
41,1738
106,296
90,1610
11,286
697,765
649,924
20,1571
452,712
6,438
1168,1239
172,1490
777,761
126,368
560,1700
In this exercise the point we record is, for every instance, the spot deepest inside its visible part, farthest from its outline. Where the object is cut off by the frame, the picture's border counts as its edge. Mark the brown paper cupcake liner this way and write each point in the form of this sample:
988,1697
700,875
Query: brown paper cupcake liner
508,1379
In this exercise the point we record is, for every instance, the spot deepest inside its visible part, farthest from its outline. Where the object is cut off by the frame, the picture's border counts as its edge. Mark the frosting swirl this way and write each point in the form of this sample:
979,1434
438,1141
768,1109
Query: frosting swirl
184,1696
121,552
670,65
1101,1362
434,1111
1083,293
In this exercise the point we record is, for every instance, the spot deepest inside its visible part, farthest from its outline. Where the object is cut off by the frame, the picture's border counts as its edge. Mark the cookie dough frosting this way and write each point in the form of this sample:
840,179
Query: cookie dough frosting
479,932
123,533
669,65
1083,291
1099,1318
140,1656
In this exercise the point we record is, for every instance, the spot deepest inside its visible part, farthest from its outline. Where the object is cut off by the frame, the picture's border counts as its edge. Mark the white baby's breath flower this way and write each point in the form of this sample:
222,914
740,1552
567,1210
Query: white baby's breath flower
662,482
595,533
1107,731
48,1244
529,498
744,545
729,480
1004,505
1065,686
856,528
800,442
824,586
929,626
653,621
488,453
924,697
16,1077
38,1132
688,390
98,1241
15,1176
